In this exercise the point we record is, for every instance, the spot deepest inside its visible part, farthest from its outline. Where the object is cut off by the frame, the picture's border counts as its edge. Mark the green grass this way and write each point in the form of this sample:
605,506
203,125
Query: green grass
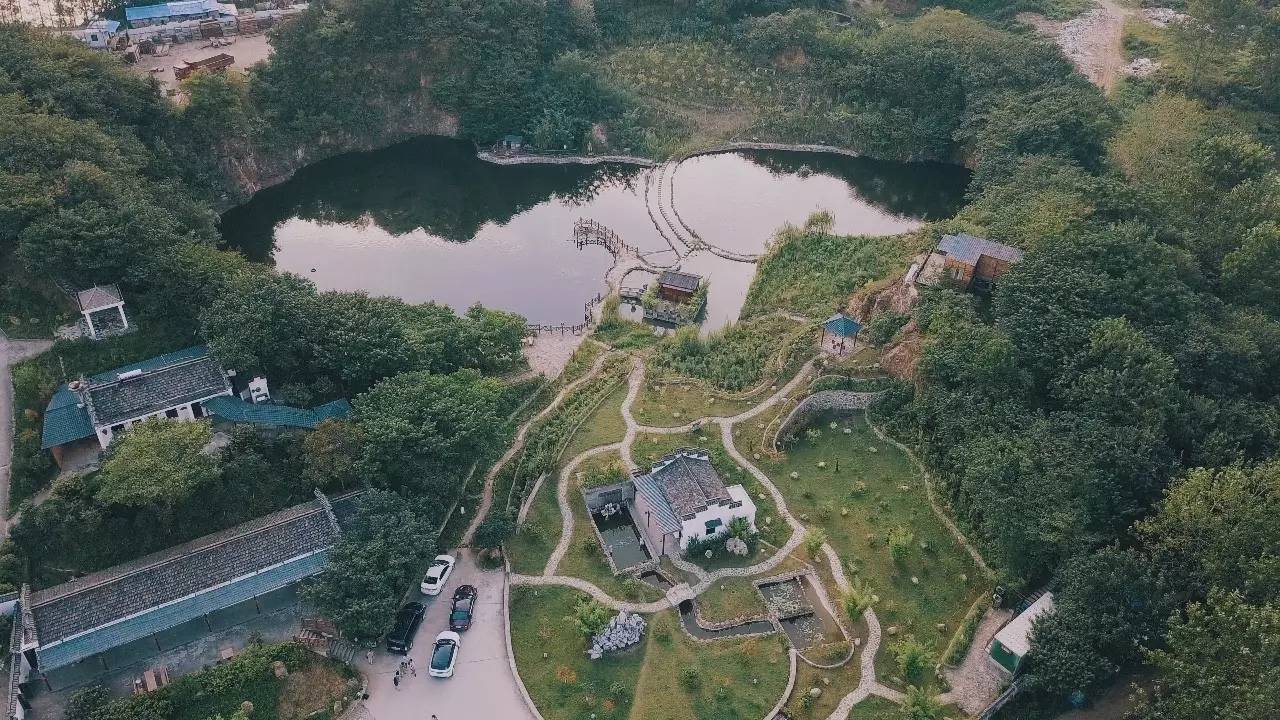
566,685
730,598
602,427
537,537
873,708
703,92
835,684
948,581
30,307
738,358
735,678
810,272
672,405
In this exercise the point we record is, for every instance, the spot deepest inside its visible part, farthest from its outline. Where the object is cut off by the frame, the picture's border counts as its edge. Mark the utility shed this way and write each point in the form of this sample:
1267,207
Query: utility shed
677,286
103,610
1013,642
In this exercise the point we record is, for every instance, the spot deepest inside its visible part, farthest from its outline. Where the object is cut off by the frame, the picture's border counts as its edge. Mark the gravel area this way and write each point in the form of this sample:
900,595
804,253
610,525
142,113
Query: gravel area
246,49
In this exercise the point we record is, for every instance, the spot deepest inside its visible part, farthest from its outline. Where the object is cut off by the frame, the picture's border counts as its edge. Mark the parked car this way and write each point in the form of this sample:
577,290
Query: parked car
445,654
464,607
438,574
400,639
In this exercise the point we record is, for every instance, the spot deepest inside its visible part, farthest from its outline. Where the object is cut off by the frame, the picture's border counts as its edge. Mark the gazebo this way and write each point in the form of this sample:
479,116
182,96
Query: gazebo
840,328
99,299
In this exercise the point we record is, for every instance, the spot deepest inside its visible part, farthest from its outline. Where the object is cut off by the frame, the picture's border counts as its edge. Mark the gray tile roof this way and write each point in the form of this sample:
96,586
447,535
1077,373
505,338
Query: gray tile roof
689,482
679,280
648,488
967,249
122,591
164,382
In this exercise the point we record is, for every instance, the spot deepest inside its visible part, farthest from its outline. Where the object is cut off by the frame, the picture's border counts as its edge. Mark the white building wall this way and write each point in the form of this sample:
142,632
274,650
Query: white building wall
696,526
185,414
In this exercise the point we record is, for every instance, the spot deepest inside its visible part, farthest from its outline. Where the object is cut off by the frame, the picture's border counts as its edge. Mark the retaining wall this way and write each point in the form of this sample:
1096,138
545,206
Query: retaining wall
821,402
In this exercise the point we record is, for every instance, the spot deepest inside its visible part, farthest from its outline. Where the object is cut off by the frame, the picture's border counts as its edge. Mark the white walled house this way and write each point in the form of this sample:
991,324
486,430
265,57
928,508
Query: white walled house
682,498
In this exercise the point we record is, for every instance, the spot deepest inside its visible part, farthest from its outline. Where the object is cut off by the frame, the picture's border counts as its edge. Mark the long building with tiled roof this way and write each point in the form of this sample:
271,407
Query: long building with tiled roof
67,623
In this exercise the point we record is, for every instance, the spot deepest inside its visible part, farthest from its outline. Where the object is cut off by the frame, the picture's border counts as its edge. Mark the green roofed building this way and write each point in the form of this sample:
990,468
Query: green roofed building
67,623
1013,642
85,415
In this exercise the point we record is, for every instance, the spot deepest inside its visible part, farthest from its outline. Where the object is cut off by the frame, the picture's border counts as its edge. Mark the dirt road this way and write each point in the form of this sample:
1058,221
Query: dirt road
1094,42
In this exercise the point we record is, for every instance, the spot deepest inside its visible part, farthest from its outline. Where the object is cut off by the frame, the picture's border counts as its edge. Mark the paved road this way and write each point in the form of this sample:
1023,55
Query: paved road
10,351
482,685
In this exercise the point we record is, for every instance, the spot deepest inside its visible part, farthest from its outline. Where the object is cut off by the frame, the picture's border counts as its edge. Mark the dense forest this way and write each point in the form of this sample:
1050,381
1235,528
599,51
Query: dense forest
1107,423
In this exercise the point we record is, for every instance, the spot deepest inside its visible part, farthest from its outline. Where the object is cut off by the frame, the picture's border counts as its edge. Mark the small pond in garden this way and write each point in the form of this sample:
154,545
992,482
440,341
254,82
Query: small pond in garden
621,538
427,220
799,609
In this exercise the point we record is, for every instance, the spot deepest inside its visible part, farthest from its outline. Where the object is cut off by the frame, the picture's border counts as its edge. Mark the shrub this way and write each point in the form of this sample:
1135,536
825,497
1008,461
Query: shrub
884,326
590,617
813,542
921,705
857,599
912,658
899,541
690,678
494,531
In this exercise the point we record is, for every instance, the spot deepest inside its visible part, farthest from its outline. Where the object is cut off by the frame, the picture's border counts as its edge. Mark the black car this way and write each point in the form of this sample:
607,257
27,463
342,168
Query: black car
464,606
400,639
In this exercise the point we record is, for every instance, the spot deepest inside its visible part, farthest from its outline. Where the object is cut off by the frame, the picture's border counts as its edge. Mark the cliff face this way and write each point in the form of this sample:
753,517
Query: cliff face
248,169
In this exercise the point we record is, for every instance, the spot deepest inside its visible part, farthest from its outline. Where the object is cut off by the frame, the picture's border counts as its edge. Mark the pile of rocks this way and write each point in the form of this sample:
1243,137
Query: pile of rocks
623,631
1163,17
1141,67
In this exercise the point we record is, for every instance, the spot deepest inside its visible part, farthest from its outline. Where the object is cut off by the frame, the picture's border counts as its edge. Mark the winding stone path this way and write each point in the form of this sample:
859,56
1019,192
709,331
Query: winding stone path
518,444
868,685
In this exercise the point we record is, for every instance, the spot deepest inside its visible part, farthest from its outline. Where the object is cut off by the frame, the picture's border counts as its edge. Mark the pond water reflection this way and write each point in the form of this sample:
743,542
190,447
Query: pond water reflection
426,220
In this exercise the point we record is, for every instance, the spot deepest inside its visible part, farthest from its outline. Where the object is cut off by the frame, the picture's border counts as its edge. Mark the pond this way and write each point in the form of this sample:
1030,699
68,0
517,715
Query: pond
427,220
621,538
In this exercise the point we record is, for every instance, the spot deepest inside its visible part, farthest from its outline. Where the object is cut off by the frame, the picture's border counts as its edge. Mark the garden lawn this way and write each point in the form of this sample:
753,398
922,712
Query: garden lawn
672,405
602,427
948,582
873,708
808,271
534,542
727,678
566,685
843,680
729,599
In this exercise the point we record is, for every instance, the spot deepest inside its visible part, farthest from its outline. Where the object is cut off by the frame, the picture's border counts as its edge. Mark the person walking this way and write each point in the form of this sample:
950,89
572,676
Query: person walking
396,680
412,669
369,656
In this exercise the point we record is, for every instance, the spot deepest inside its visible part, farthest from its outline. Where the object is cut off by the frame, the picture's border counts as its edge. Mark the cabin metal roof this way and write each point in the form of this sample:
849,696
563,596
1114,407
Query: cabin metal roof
172,9
649,489
1016,636
679,280
66,419
968,249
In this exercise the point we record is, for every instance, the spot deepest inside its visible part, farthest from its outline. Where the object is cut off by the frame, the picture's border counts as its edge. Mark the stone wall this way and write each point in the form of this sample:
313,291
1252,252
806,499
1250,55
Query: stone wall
821,402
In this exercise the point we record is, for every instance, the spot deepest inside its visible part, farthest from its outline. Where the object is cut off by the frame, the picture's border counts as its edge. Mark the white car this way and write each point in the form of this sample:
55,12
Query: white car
444,655
438,574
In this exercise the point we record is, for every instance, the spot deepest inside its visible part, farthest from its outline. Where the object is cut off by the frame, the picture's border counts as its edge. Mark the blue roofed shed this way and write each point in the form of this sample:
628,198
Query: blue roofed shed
233,409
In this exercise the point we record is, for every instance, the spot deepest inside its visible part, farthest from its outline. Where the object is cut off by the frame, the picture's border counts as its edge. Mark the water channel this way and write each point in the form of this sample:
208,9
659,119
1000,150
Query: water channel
426,220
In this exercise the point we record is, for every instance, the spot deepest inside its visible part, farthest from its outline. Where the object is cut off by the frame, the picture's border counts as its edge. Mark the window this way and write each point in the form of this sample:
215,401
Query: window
171,413
117,428
712,525
197,410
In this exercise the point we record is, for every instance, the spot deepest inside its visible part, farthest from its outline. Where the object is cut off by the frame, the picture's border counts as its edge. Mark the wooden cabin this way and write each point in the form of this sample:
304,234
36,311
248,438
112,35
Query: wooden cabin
677,286
968,262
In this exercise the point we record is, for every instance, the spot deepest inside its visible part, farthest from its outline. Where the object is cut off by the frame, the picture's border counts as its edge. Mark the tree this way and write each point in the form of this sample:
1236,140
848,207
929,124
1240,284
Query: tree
423,431
1251,272
332,453
921,705
157,464
590,616
373,564
912,658
1221,660
1217,528
494,531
